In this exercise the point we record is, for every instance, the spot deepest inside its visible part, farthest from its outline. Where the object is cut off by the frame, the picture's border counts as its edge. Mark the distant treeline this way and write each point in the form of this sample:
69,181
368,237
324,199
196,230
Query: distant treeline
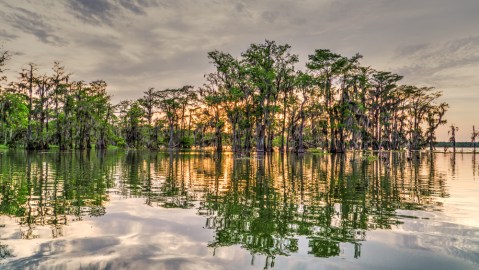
259,100
458,144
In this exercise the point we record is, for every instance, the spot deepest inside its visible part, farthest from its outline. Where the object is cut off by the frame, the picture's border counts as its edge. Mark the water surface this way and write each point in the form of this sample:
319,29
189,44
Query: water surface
144,210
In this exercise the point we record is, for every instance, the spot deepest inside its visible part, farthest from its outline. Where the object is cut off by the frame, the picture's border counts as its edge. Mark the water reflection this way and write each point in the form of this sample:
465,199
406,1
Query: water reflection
272,201
263,204
45,189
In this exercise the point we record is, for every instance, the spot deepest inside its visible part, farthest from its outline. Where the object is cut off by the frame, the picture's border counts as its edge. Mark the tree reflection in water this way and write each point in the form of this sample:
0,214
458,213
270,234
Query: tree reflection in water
330,200
44,189
264,204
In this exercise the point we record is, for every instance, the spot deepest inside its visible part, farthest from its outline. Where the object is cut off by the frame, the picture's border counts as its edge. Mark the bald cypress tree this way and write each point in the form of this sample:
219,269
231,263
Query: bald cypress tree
474,136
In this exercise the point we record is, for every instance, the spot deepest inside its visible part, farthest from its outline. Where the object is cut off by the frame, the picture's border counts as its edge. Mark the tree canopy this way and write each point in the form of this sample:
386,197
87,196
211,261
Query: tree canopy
257,101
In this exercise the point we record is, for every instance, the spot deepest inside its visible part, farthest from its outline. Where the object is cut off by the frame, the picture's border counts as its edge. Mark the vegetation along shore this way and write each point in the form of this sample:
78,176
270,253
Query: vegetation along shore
258,101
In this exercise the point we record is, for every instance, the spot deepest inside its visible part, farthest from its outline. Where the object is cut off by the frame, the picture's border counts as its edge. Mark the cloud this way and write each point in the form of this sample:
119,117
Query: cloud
6,36
269,16
33,23
150,240
433,60
107,12
138,6
411,50
93,11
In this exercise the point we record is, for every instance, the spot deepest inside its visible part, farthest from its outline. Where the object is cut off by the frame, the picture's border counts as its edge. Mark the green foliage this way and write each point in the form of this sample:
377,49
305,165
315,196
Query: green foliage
277,142
258,100
13,116
119,141
370,158
186,141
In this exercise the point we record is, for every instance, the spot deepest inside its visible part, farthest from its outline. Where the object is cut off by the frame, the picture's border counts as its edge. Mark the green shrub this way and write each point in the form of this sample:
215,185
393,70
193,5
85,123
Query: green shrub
186,141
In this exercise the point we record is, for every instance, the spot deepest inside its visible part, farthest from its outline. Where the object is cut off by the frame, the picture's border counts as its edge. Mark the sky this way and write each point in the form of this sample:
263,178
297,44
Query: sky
137,44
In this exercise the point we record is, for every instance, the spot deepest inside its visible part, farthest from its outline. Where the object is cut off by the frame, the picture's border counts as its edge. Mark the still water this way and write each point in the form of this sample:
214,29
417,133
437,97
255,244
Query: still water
144,210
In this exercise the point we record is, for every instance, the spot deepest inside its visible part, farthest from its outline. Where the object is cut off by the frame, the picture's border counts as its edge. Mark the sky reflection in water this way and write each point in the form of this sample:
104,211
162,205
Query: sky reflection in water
141,210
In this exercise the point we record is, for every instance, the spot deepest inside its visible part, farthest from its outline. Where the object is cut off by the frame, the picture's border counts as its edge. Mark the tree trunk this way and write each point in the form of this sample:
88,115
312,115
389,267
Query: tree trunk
171,143
218,139
30,109
283,126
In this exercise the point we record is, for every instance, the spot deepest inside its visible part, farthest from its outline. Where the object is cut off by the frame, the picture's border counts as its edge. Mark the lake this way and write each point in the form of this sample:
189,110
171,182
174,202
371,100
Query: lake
197,210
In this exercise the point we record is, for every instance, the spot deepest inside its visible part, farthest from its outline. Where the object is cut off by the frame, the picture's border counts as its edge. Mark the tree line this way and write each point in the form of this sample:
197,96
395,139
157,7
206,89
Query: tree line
258,101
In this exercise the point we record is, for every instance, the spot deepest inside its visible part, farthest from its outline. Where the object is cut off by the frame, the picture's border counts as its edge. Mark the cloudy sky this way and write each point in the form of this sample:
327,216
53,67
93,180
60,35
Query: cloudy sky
137,44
